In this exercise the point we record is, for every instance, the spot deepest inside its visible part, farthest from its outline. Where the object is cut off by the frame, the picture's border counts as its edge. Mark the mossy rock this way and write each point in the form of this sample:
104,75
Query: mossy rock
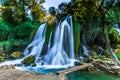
29,60
17,54
117,51
118,46
1,58
93,54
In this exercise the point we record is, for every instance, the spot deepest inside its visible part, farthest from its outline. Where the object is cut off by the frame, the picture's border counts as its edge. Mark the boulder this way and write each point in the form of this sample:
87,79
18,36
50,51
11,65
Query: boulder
16,54
117,50
29,60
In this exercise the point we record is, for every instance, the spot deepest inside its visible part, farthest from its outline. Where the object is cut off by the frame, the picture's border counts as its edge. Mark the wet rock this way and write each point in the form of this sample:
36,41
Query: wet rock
29,60
93,54
7,67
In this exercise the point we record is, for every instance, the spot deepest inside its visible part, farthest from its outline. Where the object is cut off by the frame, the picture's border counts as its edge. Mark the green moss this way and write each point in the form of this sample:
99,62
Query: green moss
106,52
1,58
102,57
50,28
76,29
118,55
16,54
32,34
29,60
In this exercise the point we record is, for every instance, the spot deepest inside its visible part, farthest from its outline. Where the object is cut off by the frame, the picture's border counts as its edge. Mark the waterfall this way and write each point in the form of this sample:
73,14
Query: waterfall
118,30
63,47
85,50
59,53
36,46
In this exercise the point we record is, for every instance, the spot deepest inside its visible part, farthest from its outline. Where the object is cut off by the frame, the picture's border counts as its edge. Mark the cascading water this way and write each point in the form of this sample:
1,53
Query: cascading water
36,46
58,55
62,50
118,30
85,50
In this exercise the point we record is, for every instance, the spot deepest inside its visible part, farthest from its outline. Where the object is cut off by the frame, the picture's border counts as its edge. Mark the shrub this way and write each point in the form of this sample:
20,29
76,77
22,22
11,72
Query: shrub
114,36
4,31
23,30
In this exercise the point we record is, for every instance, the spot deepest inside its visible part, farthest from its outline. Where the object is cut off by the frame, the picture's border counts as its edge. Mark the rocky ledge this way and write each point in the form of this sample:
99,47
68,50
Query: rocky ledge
10,73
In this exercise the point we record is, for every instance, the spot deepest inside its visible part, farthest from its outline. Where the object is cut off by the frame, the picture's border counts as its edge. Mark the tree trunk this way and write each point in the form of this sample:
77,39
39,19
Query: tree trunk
114,57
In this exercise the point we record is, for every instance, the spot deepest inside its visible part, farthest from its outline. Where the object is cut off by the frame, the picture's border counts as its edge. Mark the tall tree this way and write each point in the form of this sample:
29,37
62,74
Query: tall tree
93,14
15,11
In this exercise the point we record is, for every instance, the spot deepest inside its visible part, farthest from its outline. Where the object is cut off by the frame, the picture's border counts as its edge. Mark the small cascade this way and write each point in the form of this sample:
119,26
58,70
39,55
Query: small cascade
85,50
36,46
118,30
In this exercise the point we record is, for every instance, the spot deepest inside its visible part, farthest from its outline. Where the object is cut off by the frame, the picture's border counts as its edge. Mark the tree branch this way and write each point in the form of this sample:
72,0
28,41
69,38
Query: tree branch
99,9
110,6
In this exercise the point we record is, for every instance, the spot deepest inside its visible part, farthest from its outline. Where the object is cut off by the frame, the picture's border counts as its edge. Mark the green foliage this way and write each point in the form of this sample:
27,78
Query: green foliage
4,31
114,36
81,10
102,57
15,12
23,31
12,44
77,29
92,33
50,28
106,52
118,55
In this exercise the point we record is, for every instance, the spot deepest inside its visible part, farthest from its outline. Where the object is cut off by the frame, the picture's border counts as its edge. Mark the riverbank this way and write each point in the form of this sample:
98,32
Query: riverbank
10,73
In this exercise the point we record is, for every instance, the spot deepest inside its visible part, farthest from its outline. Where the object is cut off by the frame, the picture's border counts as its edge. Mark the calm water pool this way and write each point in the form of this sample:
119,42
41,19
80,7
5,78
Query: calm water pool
83,75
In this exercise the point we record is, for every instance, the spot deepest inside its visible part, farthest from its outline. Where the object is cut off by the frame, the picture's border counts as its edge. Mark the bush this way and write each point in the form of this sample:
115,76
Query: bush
114,36
23,31
4,31
118,55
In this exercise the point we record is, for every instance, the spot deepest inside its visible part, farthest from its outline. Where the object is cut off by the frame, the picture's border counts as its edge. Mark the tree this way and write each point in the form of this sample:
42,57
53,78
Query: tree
103,26
94,14
15,12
